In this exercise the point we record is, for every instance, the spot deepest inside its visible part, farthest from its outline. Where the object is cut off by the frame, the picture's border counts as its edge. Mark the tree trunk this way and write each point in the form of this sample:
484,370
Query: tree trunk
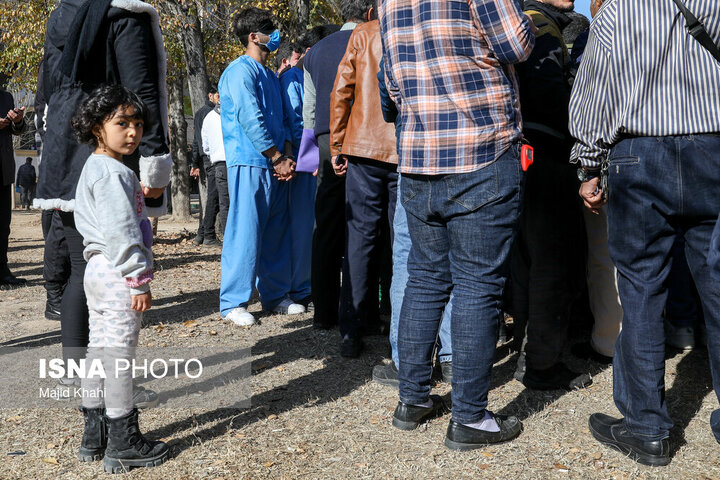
195,61
180,179
301,17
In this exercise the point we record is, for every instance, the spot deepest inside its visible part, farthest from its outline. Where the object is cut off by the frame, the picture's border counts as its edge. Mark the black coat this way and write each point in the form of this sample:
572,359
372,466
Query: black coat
116,42
26,176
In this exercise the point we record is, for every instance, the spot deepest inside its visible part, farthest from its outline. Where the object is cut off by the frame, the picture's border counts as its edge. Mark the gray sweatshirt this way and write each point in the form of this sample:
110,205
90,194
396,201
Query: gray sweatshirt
110,215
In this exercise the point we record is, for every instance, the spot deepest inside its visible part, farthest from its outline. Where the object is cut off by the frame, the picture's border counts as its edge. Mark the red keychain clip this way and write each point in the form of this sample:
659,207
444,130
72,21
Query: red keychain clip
526,156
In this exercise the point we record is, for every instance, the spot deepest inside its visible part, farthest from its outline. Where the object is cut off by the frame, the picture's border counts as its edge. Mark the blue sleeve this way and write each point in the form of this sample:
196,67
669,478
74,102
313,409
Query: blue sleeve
248,113
292,97
388,107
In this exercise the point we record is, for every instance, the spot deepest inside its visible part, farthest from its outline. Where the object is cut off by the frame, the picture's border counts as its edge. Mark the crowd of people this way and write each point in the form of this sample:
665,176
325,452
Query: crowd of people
410,173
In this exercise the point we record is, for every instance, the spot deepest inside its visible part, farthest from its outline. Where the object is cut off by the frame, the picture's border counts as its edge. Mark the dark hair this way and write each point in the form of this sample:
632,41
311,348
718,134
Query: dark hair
212,89
314,35
578,24
252,20
100,106
28,160
355,9
285,51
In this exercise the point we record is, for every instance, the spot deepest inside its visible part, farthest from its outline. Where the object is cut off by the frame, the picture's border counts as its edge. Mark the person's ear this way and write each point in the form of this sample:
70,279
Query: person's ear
252,38
370,14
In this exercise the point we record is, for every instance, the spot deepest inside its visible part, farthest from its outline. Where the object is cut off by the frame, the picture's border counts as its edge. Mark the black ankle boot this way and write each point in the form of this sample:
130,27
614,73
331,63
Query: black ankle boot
94,439
127,448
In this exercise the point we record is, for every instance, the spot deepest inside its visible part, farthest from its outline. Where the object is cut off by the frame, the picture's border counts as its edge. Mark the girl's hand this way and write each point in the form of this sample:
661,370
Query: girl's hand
141,302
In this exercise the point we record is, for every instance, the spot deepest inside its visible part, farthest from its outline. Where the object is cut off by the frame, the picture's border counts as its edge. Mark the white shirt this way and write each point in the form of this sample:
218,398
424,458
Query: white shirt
212,138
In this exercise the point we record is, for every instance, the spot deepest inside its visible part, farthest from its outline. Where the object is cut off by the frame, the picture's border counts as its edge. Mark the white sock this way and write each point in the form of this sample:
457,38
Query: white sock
487,424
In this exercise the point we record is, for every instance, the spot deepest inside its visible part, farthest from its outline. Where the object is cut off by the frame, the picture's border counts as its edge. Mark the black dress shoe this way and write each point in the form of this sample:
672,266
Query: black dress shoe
386,375
211,242
351,347
198,240
10,281
585,351
612,432
557,377
52,312
462,437
409,417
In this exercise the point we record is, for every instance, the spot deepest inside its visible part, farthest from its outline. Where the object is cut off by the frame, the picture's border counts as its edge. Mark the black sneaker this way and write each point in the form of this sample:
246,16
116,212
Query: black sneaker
386,375
52,312
409,417
557,377
211,242
351,347
462,437
612,432
198,240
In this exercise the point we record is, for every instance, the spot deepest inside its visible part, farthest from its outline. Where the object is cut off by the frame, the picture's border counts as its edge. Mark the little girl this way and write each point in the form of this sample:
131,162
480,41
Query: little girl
110,214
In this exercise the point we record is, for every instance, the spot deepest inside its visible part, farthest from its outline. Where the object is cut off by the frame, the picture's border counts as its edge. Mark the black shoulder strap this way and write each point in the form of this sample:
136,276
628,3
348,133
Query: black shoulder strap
697,30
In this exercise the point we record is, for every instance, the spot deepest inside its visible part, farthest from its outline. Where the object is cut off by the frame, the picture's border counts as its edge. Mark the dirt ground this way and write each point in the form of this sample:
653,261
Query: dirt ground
314,414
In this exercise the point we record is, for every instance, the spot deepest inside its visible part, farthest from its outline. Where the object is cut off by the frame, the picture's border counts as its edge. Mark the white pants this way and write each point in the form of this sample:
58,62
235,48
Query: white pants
602,284
114,331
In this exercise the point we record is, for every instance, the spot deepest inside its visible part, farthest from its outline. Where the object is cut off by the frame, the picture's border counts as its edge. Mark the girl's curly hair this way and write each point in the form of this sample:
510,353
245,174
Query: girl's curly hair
100,106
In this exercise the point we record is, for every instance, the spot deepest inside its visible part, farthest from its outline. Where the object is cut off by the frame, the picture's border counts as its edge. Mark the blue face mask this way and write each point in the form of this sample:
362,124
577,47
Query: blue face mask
274,42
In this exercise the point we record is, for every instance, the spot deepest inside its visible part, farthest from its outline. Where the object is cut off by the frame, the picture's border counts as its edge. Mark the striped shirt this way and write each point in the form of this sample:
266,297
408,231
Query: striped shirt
642,74
449,68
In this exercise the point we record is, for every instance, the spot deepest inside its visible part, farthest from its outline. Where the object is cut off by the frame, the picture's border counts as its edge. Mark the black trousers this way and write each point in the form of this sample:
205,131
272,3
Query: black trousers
208,211
56,257
548,258
6,193
74,328
328,239
211,205
221,183
371,194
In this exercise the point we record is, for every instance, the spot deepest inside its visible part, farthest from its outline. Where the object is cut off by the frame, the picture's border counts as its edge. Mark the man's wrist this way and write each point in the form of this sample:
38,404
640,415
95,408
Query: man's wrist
585,174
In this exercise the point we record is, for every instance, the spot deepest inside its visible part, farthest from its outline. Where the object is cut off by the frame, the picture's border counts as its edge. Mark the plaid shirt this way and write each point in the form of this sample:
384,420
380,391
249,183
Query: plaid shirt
449,68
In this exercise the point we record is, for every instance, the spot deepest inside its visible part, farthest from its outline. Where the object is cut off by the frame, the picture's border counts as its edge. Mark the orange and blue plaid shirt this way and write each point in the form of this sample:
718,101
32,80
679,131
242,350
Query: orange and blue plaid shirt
449,67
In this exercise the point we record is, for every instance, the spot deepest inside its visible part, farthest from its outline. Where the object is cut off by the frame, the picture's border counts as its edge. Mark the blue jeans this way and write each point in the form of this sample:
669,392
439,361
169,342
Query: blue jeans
461,227
401,250
659,185
682,308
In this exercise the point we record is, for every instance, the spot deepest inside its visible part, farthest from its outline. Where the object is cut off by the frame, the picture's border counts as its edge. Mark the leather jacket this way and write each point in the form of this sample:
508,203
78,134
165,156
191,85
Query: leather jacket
357,127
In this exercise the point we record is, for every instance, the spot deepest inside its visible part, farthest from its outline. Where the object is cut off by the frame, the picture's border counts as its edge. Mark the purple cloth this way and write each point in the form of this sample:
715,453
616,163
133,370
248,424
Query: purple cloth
309,155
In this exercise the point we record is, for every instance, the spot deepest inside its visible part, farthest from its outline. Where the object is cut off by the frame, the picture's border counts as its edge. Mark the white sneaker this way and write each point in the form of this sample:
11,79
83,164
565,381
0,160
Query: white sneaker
287,307
240,317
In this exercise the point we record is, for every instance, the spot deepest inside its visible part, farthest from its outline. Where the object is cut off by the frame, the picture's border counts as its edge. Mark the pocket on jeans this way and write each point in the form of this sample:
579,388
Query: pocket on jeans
475,189
407,189
624,160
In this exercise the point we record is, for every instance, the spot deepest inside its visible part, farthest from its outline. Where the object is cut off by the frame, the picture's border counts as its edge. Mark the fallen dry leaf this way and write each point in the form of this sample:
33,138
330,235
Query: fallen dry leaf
190,323
483,466
361,465
50,445
51,460
16,418
269,464
213,332
487,454
561,467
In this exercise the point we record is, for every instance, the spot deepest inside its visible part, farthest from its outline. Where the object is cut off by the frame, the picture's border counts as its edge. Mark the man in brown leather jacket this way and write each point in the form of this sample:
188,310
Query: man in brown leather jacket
362,146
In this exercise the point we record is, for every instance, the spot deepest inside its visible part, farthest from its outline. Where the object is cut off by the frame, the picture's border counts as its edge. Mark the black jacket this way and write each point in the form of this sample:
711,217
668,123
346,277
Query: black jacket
26,176
199,159
115,42
543,78
7,157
